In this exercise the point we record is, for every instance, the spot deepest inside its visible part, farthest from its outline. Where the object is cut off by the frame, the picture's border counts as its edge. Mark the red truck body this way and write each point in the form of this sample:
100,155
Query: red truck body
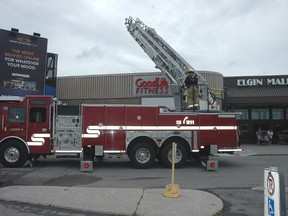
33,126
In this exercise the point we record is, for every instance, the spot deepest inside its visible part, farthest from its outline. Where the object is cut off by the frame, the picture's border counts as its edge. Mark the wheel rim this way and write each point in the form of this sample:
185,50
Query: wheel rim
178,156
11,154
143,155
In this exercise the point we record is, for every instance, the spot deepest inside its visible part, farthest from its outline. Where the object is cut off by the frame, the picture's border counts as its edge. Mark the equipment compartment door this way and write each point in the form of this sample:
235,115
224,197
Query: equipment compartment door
115,128
209,133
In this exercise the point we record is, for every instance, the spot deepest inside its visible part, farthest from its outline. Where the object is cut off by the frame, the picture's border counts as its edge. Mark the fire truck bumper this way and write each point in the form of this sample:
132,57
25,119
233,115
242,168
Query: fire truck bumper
86,166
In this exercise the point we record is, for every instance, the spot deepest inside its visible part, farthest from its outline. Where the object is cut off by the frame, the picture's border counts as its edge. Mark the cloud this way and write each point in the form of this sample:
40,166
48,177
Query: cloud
231,37
93,53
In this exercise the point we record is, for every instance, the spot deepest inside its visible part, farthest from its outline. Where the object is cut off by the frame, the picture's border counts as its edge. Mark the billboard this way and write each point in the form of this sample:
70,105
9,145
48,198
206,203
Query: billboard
51,74
22,63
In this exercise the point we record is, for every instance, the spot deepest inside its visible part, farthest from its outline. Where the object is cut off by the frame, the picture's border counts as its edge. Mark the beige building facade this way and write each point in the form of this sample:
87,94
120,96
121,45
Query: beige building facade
131,88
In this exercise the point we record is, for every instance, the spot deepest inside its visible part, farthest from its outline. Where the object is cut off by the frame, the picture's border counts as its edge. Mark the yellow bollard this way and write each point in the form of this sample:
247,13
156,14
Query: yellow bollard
172,190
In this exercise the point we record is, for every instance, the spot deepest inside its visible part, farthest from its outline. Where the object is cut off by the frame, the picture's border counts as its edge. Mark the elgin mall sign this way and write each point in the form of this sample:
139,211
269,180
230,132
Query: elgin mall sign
263,82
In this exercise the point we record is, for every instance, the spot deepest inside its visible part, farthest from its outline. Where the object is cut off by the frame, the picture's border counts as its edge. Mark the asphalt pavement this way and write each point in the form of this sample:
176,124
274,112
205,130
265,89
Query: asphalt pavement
130,201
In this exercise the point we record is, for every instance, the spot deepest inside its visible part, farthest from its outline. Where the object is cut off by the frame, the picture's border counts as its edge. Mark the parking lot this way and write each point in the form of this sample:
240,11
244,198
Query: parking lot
238,182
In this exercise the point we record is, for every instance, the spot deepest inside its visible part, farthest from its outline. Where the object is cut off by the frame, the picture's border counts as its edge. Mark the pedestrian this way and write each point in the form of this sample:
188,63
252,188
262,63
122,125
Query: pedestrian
259,135
238,135
270,136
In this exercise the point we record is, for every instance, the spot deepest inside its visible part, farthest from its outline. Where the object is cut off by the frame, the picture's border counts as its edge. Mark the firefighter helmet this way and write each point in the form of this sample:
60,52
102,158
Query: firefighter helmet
190,70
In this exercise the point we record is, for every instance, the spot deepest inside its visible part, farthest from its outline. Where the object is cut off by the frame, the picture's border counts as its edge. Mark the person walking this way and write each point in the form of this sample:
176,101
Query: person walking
258,135
270,136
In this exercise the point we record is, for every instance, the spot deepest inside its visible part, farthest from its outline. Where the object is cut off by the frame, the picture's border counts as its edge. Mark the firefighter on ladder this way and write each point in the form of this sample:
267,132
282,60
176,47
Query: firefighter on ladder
191,84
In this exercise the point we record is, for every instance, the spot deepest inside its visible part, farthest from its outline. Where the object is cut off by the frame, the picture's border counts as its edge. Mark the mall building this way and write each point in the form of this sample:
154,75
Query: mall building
261,101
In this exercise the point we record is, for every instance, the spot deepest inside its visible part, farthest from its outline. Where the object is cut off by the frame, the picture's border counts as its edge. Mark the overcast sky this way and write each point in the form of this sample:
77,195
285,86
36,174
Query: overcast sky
233,37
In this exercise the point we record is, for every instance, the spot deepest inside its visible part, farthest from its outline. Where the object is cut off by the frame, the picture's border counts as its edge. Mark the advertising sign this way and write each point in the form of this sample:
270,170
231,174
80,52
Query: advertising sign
144,86
51,74
22,64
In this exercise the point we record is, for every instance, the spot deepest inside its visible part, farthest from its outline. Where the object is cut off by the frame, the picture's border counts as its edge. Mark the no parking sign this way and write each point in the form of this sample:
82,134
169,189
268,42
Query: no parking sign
274,193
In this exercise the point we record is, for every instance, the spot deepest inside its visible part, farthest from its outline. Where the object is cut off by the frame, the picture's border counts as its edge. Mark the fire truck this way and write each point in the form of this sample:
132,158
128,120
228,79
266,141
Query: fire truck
34,126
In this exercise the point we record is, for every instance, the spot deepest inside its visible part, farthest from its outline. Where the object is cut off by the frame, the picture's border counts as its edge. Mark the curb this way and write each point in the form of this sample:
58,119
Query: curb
116,201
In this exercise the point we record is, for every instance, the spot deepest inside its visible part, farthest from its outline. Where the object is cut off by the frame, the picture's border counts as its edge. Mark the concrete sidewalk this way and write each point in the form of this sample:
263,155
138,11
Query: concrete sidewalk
263,150
118,201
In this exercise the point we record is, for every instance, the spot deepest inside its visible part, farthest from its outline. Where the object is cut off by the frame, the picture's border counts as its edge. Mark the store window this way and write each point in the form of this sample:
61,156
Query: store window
260,114
243,114
277,114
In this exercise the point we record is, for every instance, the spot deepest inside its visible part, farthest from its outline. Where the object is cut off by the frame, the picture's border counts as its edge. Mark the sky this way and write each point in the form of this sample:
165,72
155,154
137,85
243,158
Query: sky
232,37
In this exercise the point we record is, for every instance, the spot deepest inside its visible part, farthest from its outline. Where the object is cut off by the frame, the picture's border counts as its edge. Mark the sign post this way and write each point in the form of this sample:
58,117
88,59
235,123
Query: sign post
172,190
274,193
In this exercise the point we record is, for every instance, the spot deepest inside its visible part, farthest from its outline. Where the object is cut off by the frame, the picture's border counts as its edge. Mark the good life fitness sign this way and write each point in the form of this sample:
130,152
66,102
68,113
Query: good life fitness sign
150,86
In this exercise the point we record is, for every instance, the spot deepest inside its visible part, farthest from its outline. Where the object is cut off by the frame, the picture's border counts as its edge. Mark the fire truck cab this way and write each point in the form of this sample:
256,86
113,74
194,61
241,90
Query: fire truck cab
38,125
26,128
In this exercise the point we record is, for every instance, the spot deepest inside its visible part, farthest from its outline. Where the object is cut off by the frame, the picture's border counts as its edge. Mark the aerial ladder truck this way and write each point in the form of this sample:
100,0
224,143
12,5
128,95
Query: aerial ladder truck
173,66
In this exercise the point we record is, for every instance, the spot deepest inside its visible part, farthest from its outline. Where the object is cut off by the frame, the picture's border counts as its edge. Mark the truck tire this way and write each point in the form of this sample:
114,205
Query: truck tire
166,156
142,156
13,154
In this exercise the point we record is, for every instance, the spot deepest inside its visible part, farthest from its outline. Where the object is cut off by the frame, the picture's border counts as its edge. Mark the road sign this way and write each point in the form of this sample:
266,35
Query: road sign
271,207
274,193
270,184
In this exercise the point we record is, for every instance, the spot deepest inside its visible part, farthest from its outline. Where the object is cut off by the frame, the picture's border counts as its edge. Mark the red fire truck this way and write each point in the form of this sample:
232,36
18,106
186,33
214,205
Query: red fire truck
32,126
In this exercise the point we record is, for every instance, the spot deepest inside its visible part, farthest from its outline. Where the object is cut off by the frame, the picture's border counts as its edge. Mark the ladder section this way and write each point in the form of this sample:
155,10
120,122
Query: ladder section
165,58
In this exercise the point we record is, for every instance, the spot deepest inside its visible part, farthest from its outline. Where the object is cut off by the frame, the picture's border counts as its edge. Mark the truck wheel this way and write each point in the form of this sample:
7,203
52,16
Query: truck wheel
13,154
142,155
166,156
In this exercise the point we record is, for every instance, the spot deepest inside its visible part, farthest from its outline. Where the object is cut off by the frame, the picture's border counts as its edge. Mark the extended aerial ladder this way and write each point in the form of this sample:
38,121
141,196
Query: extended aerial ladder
171,64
